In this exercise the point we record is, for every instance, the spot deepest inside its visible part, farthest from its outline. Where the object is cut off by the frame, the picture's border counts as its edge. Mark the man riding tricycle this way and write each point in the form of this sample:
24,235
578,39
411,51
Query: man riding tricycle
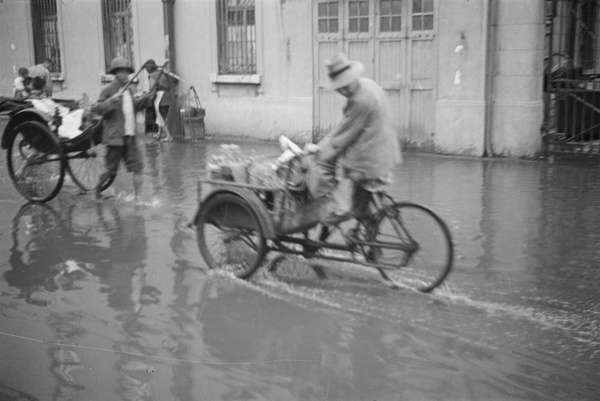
238,222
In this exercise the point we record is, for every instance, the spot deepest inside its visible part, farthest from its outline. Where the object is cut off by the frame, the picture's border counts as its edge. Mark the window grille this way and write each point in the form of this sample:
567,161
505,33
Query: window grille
44,19
327,14
390,19
118,33
237,36
358,16
422,15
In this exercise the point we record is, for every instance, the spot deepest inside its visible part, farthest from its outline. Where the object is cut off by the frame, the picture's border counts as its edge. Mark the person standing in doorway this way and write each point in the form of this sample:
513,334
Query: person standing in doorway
41,80
117,106
21,83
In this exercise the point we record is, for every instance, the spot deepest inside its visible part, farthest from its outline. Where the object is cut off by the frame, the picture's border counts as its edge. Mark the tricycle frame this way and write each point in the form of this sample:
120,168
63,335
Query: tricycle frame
241,213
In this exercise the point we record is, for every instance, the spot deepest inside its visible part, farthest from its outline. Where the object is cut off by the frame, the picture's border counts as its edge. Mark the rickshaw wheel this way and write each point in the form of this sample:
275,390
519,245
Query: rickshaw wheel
35,161
230,236
86,167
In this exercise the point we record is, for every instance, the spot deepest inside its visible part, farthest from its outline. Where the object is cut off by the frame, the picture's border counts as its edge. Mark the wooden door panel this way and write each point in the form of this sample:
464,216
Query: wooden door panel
422,112
402,61
329,103
361,51
397,99
391,58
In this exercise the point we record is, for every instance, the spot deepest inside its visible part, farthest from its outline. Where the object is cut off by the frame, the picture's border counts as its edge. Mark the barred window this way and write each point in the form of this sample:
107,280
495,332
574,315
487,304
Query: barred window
390,19
236,36
118,33
44,19
422,15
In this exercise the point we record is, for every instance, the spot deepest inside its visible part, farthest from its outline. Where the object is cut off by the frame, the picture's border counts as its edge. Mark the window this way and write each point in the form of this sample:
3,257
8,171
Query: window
390,19
44,19
358,16
118,34
328,17
236,36
422,15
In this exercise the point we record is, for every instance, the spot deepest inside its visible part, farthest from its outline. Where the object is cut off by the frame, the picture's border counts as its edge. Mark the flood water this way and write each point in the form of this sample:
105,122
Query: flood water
111,300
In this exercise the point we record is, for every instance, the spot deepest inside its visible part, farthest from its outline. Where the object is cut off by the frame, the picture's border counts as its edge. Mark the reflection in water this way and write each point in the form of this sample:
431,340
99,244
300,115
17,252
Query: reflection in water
45,277
127,309
124,275
35,257
55,253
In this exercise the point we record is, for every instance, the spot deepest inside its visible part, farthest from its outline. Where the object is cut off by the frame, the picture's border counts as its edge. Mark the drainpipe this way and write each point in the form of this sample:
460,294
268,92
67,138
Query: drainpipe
173,116
168,21
488,87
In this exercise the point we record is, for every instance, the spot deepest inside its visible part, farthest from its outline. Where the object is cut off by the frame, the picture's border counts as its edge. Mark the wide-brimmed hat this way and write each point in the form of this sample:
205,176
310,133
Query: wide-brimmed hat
341,71
119,63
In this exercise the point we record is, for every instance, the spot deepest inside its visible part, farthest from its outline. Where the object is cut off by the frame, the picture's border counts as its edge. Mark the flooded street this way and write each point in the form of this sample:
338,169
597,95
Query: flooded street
111,300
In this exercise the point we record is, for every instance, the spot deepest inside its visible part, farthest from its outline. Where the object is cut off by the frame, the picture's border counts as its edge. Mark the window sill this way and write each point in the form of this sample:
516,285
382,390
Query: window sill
249,79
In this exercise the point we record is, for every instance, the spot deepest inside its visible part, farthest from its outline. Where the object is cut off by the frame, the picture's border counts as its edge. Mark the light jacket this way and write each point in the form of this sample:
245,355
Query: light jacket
365,139
113,120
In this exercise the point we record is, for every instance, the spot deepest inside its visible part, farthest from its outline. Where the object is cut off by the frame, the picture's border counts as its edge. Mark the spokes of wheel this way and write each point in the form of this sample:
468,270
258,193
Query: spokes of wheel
230,236
35,162
86,167
416,245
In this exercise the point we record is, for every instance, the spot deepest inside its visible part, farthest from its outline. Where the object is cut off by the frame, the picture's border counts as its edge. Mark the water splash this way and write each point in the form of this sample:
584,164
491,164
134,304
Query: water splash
124,197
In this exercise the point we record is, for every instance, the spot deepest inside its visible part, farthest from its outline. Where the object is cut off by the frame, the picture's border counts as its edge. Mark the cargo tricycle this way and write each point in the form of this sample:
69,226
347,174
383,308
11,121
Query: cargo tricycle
239,222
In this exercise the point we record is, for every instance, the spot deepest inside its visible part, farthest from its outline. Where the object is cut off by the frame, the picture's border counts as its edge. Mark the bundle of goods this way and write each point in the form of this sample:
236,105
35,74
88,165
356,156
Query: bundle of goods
229,163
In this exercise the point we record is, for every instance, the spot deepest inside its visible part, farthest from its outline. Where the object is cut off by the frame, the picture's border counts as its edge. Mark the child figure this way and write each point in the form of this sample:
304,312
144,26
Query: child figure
20,84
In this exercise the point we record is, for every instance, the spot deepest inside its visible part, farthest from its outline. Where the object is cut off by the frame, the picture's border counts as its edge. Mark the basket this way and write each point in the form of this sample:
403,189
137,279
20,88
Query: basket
239,171
192,117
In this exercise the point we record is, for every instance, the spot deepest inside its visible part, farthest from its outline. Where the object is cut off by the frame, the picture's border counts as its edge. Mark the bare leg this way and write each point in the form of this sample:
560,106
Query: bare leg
103,178
138,181
169,137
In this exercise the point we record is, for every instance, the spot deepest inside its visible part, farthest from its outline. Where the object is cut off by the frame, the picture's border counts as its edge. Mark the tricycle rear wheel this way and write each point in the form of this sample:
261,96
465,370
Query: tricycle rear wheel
35,161
230,236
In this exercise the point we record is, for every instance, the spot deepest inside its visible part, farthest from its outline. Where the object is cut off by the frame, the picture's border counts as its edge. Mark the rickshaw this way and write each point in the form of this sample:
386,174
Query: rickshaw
237,223
38,159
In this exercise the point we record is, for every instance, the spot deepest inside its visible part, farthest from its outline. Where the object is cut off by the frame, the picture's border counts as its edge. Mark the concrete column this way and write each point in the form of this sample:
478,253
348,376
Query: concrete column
516,87
460,106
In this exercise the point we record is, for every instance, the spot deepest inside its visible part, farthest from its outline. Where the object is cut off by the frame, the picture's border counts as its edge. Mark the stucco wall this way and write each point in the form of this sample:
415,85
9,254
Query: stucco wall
460,106
82,52
512,35
15,37
282,103
80,36
518,78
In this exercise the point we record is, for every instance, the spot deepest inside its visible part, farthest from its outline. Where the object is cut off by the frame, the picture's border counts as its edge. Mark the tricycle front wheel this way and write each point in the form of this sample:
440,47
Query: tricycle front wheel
230,236
415,243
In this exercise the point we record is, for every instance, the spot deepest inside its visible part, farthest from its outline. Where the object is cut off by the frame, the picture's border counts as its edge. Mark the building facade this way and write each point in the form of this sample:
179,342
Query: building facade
464,77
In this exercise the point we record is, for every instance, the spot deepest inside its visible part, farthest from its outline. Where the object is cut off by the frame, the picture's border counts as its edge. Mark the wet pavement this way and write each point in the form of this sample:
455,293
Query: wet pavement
111,300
